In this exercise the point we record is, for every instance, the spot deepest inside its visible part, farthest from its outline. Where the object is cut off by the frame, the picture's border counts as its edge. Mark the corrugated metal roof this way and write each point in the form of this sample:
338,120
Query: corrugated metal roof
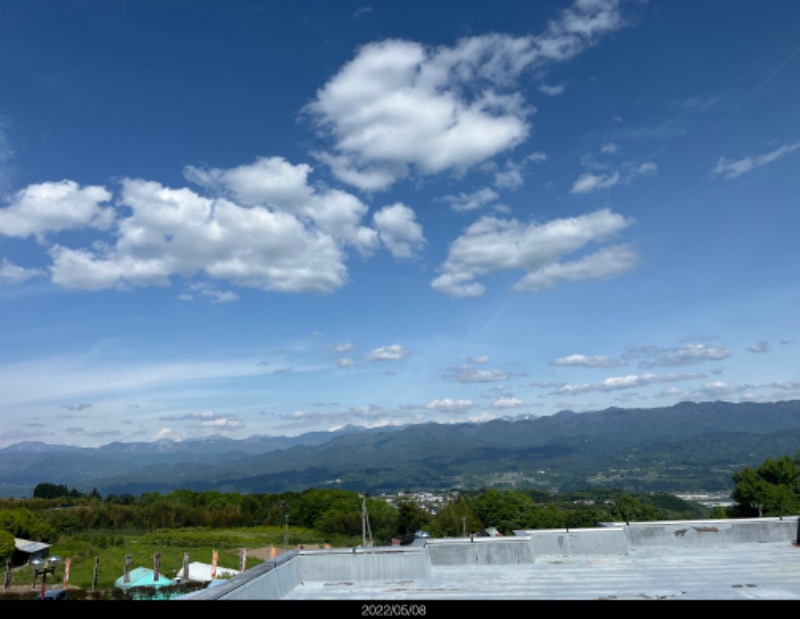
26,545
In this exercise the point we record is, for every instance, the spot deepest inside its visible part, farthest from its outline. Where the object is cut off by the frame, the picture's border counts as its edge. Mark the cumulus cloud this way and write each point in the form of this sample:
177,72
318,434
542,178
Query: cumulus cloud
394,352
13,274
511,175
343,347
281,186
731,168
400,106
491,244
345,362
624,382
55,206
179,232
398,230
479,359
609,148
761,346
589,361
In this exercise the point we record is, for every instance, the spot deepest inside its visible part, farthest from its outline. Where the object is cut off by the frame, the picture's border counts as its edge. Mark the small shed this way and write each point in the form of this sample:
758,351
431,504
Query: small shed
26,550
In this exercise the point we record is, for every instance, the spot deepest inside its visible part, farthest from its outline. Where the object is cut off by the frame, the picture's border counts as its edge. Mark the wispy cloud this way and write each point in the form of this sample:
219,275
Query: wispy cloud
394,352
589,361
732,168
470,374
625,382
552,90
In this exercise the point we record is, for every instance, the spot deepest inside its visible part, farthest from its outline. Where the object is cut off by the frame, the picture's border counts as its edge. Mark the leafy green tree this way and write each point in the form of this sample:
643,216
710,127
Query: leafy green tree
505,510
411,517
454,518
50,491
630,508
6,546
772,489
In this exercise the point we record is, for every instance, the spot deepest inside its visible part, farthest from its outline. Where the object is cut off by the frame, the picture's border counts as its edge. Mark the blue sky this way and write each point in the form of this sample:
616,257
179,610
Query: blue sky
250,218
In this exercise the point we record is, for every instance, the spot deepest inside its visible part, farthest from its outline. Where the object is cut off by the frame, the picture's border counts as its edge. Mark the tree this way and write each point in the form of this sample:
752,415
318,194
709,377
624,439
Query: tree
455,519
6,546
50,491
411,517
772,489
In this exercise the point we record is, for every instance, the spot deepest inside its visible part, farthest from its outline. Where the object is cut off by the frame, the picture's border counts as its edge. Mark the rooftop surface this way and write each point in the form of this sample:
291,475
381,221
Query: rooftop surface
768,571
756,559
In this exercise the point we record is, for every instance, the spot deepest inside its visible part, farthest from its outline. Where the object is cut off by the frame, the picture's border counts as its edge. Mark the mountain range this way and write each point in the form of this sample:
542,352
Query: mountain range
681,448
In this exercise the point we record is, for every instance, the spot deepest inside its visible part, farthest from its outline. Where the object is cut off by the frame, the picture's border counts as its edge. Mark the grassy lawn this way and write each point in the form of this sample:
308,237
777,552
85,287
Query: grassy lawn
111,548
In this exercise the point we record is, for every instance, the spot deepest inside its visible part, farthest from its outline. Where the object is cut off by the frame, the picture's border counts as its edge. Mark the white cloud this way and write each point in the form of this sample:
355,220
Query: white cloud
507,403
223,423
511,175
588,182
717,389
400,106
609,148
624,382
469,374
761,346
733,168
13,274
479,359
387,353
589,361
345,362
55,206
398,230
178,232
450,405
204,289
685,355
493,244
281,186
464,202
552,91
604,263
344,347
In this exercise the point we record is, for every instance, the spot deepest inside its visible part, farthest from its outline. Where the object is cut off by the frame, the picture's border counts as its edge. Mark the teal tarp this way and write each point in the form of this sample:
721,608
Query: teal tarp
143,577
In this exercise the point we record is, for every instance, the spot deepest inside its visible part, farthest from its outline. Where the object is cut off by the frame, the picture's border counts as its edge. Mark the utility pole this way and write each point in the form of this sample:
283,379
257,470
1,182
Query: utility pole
365,528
